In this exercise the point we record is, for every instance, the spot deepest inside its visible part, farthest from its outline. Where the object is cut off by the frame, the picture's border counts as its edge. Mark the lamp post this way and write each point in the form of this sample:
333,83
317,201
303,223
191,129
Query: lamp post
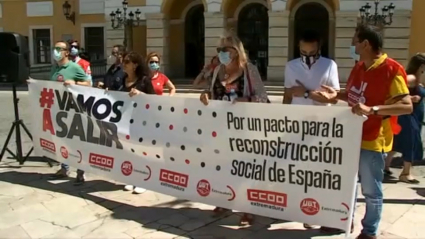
128,21
383,18
66,7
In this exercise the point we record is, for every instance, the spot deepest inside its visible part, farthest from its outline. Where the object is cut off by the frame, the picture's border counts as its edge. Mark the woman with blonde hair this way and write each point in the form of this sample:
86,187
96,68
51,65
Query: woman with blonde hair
409,141
235,80
159,80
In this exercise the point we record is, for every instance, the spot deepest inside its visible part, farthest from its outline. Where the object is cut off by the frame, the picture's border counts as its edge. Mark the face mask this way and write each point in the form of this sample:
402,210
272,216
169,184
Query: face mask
309,60
57,55
111,59
154,66
74,51
224,58
353,54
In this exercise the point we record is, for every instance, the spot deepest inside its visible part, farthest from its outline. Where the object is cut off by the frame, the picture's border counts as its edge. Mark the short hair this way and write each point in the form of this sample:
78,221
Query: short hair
310,36
372,34
121,49
415,63
231,37
152,54
67,46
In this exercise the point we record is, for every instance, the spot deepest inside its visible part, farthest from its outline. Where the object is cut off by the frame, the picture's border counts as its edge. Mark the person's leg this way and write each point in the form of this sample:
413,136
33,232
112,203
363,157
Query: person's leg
63,172
406,175
371,170
388,161
80,178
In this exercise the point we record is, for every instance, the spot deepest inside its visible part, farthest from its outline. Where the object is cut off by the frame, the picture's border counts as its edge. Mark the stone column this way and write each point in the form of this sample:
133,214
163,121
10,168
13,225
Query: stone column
278,45
214,28
396,37
345,26
157,39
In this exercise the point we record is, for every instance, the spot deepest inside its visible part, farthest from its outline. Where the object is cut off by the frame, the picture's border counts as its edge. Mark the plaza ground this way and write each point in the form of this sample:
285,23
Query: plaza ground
33,207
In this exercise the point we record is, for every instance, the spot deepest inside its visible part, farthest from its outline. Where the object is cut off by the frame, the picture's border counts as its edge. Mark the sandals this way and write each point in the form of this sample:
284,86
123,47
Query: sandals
387,172
403,178
218,211
247,219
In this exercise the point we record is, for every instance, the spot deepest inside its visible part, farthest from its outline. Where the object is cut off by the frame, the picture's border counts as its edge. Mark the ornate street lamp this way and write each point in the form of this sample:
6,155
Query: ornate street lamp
70,16
385,18
119,19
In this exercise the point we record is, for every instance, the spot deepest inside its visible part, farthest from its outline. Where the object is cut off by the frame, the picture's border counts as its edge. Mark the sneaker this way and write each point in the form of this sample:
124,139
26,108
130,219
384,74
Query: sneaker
138,190
61,173
128,188
80,180
308,226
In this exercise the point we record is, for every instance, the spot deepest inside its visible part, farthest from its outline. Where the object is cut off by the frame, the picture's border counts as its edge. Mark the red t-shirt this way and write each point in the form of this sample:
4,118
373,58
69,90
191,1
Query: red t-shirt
159,82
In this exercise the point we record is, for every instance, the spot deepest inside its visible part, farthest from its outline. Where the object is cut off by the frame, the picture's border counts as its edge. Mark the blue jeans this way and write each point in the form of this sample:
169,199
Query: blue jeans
371,173
66,167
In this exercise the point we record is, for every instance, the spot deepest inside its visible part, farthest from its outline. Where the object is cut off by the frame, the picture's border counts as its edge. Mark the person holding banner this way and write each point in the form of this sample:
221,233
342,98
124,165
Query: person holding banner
304,76
376,88
409,141
159,80
115,74
234,80
71,74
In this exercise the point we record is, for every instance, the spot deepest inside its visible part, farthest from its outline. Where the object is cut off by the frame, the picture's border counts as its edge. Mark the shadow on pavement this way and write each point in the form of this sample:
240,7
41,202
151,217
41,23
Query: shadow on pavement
153,216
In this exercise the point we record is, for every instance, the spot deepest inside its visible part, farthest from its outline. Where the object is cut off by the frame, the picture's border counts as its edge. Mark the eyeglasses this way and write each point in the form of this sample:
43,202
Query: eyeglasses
225,49
151,62
73,46
57,48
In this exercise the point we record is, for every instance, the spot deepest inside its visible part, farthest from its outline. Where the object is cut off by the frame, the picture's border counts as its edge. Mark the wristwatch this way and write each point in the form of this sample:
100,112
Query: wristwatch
375,110
306,94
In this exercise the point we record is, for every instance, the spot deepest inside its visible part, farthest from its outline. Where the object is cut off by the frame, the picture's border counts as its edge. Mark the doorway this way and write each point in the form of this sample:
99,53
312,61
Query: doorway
253,30
311,16
194,40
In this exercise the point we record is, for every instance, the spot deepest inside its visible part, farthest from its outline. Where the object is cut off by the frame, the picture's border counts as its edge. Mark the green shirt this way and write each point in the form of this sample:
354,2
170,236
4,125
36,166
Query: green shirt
69,71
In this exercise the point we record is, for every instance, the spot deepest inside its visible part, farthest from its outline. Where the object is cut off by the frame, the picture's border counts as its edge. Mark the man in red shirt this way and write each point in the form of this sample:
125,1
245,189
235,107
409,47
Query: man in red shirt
376,88
75,57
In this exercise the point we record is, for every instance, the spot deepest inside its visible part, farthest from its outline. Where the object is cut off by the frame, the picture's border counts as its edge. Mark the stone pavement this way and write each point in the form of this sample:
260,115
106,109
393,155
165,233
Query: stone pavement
33,207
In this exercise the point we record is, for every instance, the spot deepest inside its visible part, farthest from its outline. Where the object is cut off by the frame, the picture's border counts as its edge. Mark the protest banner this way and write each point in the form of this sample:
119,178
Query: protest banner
290,162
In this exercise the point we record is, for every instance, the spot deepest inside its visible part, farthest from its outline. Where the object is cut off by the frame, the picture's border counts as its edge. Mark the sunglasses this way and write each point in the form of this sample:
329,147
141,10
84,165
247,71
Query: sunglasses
224,49
151,62
73,46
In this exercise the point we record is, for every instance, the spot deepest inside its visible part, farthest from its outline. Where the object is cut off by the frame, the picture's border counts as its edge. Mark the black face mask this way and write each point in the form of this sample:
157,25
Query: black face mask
309,60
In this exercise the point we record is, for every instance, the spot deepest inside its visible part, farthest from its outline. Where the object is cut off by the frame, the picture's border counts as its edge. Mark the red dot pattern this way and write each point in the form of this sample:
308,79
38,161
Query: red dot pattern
127,137
187,161
185,111
144,153
214,134
147,106
171,127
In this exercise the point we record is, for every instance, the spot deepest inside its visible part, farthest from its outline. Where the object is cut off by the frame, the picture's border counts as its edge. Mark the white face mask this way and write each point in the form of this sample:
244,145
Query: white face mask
353,54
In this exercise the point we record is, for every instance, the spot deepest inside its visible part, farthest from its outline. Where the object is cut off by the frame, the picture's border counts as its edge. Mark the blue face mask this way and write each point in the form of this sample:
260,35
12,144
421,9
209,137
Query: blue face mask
57,55
74,51
353,54
224,58
154,66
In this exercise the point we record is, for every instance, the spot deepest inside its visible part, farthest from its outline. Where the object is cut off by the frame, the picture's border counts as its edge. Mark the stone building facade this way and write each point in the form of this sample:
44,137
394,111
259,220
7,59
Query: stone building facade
186,32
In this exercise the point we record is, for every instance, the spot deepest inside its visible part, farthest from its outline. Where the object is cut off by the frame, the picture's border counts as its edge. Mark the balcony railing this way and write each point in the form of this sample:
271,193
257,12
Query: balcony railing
98,70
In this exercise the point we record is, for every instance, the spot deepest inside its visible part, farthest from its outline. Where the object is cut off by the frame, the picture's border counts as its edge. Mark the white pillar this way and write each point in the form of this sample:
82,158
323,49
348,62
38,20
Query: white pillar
157,39
278,44
214,28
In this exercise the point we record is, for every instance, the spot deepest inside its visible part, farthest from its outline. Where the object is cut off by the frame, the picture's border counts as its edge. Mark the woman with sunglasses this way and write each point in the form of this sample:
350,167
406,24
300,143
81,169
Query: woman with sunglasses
235,80
159,80
136,81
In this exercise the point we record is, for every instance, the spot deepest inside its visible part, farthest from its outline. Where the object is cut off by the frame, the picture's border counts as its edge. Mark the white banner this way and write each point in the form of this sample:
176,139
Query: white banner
290,162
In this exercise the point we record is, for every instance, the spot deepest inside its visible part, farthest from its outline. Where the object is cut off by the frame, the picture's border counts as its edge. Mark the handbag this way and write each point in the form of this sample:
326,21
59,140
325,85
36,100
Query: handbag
250,84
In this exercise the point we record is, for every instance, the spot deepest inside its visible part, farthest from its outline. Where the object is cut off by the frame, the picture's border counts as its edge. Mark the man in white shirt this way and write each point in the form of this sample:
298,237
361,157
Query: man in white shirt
305,76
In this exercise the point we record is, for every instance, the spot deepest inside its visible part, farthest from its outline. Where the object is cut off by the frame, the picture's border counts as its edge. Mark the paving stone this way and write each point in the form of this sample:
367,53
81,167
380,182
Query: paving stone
175,220
64,234
16,232
410,225
39,229
31,199
141,230
22,215
107,235
70,203
167,233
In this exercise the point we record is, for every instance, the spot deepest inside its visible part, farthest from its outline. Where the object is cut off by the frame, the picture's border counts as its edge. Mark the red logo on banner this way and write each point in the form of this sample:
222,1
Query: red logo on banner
64,152
174,178
309,206
126,168
101,161
203,188
48,145
267,197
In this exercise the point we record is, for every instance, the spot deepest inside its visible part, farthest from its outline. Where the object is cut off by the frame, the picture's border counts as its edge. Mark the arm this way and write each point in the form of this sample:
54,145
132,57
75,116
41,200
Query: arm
287,95
171,87
399,102
81,77
333,82
200,80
